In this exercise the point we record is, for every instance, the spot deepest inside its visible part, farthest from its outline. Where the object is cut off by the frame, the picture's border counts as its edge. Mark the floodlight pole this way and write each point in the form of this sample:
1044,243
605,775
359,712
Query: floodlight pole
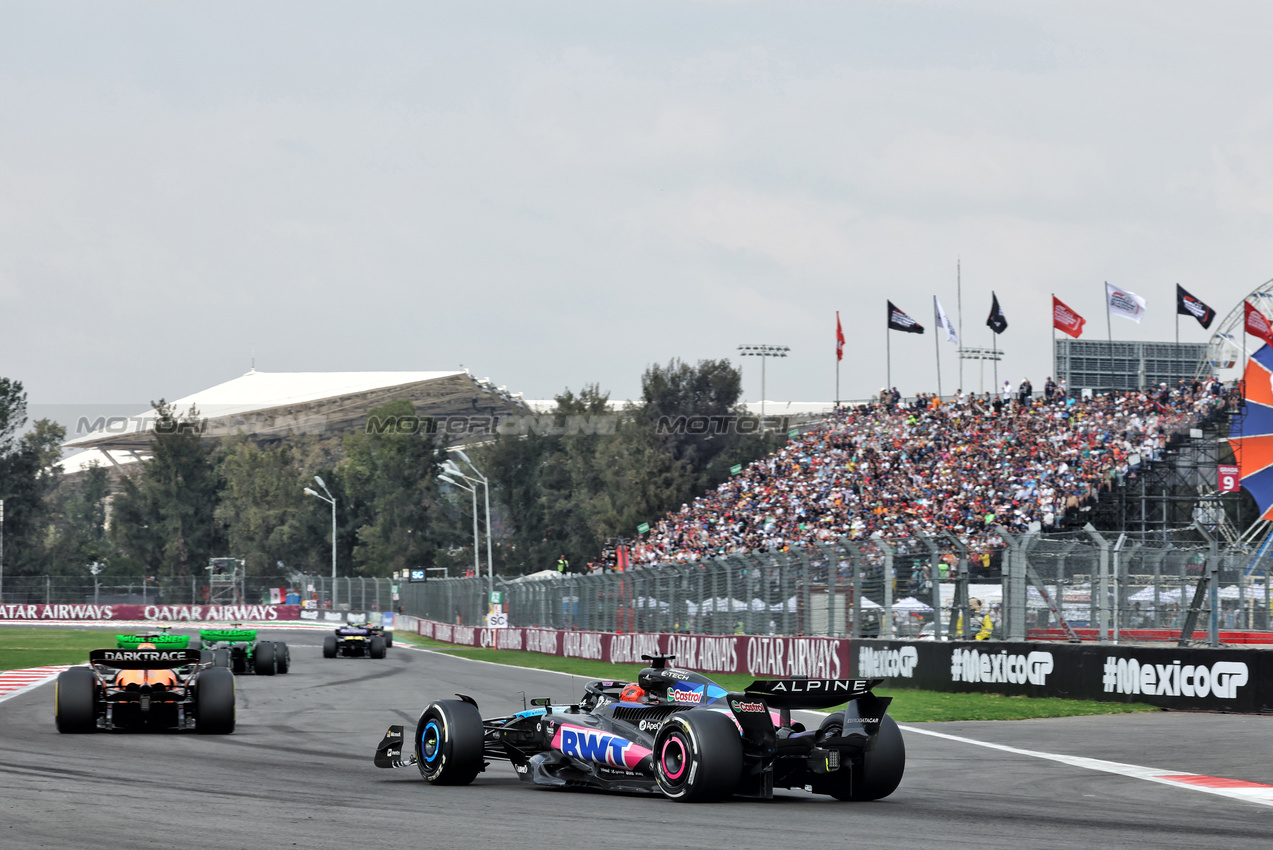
764,352
331,500
477,564
486,492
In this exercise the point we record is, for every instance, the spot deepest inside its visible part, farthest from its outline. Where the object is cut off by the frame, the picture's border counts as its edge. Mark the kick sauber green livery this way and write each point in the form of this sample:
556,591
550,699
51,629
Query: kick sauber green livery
239,649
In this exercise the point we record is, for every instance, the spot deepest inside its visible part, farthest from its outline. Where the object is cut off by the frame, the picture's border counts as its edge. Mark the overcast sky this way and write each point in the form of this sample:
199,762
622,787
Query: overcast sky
557,193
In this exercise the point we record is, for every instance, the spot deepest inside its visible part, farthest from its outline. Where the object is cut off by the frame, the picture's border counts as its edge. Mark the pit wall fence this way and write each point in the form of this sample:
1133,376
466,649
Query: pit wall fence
1204,679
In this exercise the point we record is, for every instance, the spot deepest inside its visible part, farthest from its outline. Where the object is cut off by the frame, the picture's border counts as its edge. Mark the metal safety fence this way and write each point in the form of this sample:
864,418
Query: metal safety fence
1072,586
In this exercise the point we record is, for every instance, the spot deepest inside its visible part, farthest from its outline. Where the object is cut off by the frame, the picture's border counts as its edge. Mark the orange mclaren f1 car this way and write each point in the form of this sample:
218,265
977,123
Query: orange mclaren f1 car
146,688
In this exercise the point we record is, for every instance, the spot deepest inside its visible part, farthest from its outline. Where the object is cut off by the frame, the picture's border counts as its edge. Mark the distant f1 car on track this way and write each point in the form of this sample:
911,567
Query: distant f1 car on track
238,649
145,688
673,732
354,642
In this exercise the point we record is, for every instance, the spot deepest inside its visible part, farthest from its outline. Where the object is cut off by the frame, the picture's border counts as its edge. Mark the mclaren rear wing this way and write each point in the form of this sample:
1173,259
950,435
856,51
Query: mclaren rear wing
144,659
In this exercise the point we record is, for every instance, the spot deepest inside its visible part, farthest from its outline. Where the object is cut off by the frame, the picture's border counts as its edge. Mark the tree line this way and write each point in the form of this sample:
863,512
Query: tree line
565,493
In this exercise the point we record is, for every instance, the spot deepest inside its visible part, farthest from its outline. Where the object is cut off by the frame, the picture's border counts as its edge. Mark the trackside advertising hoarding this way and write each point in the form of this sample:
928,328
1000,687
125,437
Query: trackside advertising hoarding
158,613
761,656
1238,680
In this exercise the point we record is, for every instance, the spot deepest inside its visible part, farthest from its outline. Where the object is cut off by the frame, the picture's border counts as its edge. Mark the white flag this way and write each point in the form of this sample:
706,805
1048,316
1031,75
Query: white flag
943,322
1129,305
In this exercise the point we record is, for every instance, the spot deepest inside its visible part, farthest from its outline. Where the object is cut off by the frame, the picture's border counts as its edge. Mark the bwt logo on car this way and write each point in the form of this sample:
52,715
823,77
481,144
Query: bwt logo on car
593,746
1129,676
876,663
971,665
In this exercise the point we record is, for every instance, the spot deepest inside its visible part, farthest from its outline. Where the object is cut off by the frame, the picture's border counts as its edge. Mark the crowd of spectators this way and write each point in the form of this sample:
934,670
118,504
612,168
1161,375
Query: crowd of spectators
965,466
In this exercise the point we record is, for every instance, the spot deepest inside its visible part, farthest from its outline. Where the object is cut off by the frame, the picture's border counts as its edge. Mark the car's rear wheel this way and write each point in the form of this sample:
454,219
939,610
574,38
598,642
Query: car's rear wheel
448,742
881,768
214,702
282,657
376,647
263,658
388,639
329,646
221,657
698,757
75,701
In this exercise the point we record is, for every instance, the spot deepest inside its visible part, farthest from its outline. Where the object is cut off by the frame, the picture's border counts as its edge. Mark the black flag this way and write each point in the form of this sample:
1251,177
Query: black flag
997,321
1187,305
899,321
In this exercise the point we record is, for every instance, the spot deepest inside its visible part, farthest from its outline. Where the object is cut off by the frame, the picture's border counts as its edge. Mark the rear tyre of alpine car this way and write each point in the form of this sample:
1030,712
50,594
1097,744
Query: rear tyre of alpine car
448,742
282,657
882,767
698,757
330,646
214,701
75,701
376,647
263,658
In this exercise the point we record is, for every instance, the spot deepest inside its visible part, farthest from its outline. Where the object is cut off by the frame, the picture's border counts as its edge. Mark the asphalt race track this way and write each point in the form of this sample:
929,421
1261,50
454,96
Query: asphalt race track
298,773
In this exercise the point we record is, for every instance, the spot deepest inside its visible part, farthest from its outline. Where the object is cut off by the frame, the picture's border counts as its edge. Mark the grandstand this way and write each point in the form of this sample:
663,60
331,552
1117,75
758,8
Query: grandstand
270,406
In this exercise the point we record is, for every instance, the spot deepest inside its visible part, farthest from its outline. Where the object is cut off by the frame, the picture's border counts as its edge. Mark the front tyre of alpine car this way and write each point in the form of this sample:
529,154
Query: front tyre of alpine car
881,768
214,700
698,757
75,701
448,742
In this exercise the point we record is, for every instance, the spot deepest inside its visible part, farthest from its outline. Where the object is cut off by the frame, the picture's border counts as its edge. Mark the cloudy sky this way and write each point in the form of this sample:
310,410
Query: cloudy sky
556,193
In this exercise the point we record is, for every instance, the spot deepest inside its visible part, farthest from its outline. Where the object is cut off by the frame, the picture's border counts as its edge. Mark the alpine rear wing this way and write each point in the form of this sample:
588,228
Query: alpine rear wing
144,659
810,693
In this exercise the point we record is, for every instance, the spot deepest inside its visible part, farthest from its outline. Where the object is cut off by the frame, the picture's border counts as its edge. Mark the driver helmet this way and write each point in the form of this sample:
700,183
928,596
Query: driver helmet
632,692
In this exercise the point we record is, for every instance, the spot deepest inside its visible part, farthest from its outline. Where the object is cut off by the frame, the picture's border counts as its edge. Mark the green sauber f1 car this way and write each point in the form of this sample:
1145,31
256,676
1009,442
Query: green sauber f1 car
239,649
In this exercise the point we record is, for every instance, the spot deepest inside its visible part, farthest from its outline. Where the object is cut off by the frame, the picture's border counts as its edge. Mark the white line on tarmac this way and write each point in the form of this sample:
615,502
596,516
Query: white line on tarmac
1236,789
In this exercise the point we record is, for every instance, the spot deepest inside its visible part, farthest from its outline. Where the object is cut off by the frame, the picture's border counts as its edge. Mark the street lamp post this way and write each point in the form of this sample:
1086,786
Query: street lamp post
95,568
486,491
764,352
477,564
331,500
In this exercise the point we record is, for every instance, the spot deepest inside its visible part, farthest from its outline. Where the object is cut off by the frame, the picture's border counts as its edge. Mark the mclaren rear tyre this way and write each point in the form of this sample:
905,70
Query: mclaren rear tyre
282,657
214,702
75,701
388,639
376,647
448,742
882,767
330,646
263,658
698,757
221,657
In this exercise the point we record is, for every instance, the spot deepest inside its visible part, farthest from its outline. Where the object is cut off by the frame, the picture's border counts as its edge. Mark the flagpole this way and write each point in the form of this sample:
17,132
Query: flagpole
838,349
959,298
1109,333
888,359
937,349
1177,313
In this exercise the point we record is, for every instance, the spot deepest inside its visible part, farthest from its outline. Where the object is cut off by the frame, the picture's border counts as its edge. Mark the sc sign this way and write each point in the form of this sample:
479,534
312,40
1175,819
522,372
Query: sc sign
1229,479
497,621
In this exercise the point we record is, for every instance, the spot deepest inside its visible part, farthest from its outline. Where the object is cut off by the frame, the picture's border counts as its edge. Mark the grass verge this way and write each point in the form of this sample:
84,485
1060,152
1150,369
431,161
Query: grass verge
26,647
909,705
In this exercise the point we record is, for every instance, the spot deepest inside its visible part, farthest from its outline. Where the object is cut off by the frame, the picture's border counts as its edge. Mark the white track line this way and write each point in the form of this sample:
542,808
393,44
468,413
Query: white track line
1236,789
14,682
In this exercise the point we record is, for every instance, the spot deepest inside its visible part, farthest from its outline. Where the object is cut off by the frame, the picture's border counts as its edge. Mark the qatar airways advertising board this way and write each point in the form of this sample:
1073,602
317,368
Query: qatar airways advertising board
157,613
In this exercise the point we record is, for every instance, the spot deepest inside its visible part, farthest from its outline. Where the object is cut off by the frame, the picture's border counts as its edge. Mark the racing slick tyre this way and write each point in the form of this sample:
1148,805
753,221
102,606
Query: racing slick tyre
221,657
214,702
263,658
282,657
448,742
698,757
388,639
75,700
330,646
882,767
195,643
376,647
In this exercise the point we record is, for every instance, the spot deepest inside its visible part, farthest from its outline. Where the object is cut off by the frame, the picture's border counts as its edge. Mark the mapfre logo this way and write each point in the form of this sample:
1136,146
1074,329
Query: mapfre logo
1129,676
971,665
887,663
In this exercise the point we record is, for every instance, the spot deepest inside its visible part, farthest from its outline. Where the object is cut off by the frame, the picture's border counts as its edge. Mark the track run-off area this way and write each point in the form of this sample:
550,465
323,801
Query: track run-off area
298,772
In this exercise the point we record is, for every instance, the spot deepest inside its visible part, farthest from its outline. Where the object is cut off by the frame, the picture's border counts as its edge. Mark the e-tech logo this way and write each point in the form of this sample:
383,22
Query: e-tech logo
971,665
1129,676
885,663
593,746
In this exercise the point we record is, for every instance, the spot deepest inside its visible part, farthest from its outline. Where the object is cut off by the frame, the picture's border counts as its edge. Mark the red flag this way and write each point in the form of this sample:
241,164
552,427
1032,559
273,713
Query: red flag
839,338
1257,324
1066,320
